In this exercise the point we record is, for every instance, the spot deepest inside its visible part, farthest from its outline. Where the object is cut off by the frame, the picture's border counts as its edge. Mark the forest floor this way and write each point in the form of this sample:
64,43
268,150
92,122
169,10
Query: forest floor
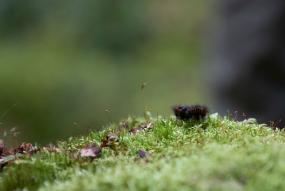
154,153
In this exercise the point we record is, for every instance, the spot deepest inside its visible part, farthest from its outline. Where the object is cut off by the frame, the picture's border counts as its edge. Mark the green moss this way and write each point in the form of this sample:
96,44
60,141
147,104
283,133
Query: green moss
214,154
27,174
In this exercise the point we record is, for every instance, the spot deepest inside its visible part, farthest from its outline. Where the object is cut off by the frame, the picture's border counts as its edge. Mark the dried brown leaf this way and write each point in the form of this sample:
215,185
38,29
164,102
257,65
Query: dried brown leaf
91,151
26,148
141,127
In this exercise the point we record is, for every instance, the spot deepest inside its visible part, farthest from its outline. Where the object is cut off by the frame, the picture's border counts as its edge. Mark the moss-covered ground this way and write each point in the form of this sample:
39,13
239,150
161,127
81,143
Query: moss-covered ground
157,153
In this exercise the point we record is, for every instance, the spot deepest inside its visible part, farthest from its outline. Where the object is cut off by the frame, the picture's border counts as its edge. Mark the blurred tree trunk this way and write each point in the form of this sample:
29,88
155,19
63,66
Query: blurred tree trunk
249,58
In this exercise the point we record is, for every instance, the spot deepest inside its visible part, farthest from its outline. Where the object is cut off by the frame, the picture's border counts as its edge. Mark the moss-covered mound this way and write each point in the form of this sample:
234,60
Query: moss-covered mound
157,154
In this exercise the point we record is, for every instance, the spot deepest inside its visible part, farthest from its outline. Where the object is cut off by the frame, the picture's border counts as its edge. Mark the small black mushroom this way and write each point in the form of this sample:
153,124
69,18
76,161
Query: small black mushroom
187,112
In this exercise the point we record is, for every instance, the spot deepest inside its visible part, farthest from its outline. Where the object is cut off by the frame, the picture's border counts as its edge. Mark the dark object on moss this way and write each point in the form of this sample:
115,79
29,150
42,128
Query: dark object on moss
186,112
1,147
142,153
109,140
276,125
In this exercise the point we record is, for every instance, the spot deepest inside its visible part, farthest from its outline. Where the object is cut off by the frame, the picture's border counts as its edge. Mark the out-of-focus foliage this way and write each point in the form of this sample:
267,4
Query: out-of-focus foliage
70,66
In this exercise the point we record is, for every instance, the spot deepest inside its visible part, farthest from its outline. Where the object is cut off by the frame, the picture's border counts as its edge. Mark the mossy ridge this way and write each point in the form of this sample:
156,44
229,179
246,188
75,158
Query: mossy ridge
212,154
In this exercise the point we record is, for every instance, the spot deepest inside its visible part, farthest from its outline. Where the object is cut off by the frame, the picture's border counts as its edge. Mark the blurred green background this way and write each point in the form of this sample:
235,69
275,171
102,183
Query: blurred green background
67,67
